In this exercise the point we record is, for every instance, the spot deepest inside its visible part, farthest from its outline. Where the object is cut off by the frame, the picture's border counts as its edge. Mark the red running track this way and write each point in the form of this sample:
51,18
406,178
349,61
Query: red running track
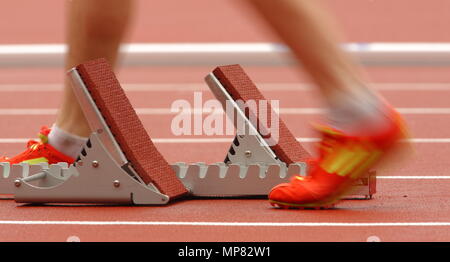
410,208
414,208
411,203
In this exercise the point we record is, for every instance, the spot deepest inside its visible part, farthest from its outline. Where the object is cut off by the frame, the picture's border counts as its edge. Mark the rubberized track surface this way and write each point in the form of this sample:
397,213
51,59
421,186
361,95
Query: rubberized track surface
411,203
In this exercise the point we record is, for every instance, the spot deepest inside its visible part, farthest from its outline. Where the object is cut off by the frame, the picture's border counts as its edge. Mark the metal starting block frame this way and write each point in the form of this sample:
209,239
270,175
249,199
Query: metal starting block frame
11,173
251,150
102,174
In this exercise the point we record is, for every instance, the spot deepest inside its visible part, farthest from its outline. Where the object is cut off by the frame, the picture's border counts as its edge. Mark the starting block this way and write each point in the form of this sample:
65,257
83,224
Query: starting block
119,163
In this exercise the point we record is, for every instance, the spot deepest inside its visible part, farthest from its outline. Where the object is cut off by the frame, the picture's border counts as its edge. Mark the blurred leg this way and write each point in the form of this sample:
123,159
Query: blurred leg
363,128
305,27
310,33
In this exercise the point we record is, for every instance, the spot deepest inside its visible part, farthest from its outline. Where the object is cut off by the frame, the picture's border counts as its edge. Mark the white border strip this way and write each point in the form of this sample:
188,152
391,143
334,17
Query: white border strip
229,140
226,224
300,139
211,54
168,111
189,87
414,177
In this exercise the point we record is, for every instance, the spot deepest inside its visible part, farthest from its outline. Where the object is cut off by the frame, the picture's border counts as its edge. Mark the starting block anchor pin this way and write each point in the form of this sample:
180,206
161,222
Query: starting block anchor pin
95,164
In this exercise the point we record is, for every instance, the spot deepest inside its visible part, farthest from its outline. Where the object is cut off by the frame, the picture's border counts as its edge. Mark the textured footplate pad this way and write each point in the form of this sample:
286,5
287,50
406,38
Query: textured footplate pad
127,129
240,87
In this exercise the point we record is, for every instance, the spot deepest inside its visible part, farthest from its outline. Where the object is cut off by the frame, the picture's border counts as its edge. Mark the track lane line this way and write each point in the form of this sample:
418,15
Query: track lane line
230,139
169,111
247,53
158,87
413,177
226,224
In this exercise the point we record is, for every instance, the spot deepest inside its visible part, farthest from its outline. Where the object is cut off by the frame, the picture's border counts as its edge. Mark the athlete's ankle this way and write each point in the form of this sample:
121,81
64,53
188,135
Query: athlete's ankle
78,128
358,112
66,142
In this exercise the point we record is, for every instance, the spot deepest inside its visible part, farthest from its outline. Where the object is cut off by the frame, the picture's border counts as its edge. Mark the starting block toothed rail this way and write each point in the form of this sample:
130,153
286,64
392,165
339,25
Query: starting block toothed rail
120,164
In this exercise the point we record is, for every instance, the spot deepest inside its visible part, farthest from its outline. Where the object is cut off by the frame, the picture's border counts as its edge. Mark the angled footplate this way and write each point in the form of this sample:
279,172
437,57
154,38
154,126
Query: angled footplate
254,163
119,163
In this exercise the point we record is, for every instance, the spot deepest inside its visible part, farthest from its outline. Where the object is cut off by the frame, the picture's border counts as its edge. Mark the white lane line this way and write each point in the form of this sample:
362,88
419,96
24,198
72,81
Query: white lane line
27,111
260,53
414,177
226,224
300,139
191,140
428,140
170,87
405,111
229,140
14,140
424,110
168,111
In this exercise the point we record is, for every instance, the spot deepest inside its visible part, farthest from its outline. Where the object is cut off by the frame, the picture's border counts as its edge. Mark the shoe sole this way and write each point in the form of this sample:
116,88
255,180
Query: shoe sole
283,205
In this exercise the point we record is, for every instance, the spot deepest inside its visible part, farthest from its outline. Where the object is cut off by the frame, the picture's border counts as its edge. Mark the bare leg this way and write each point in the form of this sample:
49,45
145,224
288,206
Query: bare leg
95,29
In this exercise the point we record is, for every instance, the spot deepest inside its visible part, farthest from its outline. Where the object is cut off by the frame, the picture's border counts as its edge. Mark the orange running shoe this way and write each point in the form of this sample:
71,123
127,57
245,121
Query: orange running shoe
342,160
39,152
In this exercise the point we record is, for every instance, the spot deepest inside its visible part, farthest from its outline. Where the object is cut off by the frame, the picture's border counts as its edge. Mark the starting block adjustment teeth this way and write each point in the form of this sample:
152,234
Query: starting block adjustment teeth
94,178
230,180
233,180
13,176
